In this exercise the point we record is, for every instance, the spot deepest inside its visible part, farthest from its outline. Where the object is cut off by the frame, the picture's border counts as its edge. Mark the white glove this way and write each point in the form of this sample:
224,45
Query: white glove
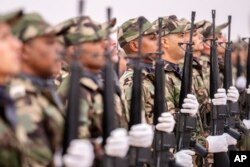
79,154
217,144
233,94
246,122
248,90
166,122
184,158
230,139
141,135
220,98
190,105
117,143
241,82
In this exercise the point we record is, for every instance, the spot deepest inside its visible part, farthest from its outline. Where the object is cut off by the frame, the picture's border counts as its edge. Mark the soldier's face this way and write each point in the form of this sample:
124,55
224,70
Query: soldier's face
41,55
198,41
173,49
10,49
92,54
221,39
149,44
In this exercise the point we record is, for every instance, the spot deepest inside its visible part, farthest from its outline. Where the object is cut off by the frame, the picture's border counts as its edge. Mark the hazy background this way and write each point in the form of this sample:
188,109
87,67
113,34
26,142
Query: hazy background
58,10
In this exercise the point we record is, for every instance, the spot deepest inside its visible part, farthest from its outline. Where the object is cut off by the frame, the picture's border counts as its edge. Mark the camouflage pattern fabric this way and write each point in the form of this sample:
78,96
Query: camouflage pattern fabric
172,25
40,118
91,109
129,30
33,25
126,82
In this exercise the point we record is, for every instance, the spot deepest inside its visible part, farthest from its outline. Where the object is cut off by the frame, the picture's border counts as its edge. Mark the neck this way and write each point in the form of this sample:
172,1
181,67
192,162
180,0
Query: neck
92,70
166,56
28,70
197,54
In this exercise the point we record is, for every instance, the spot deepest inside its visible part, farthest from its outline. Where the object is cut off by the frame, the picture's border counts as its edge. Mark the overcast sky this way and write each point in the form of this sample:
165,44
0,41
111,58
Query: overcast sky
58,10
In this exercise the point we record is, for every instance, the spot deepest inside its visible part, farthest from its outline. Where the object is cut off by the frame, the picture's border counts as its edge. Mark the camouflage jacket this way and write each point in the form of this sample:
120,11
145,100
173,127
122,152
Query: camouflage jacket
126,82
10,148
91,106
64,72
173,84
205,63
39,117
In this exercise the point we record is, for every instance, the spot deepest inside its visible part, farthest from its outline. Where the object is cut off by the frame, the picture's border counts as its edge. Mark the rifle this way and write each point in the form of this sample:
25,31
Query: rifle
238,65
187,124
219,113
162,141
138,156
108,119
247,112
73,108
232,108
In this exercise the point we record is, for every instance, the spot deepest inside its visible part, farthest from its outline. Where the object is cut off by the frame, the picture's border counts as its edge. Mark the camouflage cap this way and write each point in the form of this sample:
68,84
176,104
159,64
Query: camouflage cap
172,25
129,30
88,30
205,27
11,17
33,25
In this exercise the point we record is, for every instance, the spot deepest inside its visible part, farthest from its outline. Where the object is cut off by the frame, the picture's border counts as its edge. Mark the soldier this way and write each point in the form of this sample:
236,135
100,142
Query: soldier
128,39
176,32
39,109
10,49
91,42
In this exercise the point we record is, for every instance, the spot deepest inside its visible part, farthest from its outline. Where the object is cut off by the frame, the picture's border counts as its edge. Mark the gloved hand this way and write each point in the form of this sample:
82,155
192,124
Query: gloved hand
248,90
166,122
246,122
184,158
217,144
117,144
79,154
240,82
141,135
220,98
190,105
230,139
233,94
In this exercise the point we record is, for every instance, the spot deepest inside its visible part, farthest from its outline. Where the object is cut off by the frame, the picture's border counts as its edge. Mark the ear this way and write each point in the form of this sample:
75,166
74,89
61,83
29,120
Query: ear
133,46
165,42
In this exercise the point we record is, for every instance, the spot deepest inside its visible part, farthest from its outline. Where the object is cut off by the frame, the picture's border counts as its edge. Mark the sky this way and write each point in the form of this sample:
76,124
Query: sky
55,11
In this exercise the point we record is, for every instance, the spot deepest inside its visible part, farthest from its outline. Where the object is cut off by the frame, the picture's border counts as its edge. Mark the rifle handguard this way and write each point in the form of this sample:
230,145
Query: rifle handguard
232,132
199,149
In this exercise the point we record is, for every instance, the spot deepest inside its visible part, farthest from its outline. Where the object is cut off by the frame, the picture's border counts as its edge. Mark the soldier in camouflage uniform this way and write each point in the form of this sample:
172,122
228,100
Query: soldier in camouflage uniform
128,39
91,41
11,150
38,107
176,31
206,31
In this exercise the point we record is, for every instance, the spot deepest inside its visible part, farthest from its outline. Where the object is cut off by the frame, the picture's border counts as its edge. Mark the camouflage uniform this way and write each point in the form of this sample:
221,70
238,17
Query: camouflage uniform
10,148
91,85
39,108
127,32
173,81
